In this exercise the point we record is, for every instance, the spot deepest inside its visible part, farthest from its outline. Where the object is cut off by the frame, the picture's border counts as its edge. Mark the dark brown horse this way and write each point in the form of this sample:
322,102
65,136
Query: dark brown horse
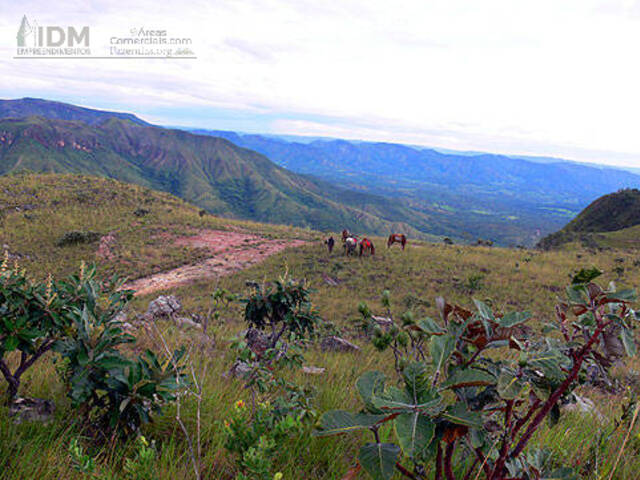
367,245
400,238
330,242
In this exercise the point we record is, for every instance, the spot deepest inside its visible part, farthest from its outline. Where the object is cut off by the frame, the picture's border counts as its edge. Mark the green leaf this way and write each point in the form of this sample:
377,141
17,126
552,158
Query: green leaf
414,432
586,275
512,319
11,343
623,295
460,415
430,327
336,422
379,459
484,310
416,379
509,386
577,294
369,385
441,347
626,334
468,378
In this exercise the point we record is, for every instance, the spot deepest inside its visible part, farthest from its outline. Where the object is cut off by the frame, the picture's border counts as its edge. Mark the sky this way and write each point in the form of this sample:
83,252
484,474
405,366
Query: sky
555,78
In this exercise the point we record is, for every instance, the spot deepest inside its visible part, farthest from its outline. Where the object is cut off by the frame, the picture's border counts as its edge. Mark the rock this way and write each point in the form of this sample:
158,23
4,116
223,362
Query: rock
334,343
313,370
382,321
583,405
31,410
165,306
187,322
239,369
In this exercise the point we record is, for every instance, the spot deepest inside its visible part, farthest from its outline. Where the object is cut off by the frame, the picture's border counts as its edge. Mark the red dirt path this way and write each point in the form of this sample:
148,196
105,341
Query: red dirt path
230,252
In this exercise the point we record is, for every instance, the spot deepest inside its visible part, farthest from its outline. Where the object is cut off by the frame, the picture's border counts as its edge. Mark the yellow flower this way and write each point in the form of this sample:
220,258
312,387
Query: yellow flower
240,404
278,476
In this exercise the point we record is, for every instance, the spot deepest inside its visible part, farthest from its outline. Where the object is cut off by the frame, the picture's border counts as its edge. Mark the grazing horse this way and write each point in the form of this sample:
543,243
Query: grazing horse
330,242
400,238
350,245
366,244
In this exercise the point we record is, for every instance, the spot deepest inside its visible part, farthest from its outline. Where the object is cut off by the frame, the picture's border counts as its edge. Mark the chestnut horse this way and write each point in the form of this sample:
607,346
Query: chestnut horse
366,244
400,238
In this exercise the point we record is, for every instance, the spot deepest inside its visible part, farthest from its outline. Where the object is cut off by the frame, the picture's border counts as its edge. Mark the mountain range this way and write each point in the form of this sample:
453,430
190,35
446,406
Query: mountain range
502,198
212,173
326,184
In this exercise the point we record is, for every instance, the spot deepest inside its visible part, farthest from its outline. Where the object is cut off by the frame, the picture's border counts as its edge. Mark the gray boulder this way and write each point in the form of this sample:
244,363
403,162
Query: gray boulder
31,410
165,306
334,343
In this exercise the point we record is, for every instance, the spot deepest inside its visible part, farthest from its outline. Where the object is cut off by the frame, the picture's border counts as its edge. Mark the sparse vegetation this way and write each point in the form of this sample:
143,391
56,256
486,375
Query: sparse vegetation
587,442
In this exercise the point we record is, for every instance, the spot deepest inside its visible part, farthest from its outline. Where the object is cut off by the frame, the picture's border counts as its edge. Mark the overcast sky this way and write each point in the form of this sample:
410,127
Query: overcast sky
555,78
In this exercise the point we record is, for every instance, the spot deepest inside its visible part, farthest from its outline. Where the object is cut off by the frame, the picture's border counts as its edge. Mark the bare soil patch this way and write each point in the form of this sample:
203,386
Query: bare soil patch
230,252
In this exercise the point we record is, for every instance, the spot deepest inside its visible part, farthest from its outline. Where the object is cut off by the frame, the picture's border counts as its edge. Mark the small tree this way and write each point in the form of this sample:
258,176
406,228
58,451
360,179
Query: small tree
471,402
32,320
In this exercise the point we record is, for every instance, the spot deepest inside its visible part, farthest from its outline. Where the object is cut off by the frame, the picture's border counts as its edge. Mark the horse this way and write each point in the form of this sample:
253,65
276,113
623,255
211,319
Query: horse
330,242
400,238
366,244
350,245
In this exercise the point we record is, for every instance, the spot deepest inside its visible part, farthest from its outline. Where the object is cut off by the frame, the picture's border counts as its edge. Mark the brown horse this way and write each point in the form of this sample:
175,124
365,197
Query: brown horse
400,238
366,244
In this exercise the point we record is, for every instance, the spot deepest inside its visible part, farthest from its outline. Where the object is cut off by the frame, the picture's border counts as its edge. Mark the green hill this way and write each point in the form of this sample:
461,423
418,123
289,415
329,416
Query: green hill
615,212
209,172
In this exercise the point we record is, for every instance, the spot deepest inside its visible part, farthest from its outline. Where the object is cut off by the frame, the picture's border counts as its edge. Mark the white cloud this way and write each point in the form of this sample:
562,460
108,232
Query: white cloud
538,77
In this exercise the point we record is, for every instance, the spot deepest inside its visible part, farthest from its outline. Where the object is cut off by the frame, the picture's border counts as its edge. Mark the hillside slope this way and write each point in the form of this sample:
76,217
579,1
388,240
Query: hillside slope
51,222
615,212
210,172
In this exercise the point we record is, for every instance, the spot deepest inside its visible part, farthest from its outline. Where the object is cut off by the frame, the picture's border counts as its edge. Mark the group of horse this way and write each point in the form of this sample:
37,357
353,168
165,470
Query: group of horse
351,243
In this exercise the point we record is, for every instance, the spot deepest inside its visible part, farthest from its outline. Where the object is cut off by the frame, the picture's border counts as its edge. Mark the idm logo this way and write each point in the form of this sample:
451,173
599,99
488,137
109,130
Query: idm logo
30,34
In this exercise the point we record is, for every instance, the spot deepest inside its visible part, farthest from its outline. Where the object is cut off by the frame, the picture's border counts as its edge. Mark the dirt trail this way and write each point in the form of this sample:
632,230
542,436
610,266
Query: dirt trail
230,252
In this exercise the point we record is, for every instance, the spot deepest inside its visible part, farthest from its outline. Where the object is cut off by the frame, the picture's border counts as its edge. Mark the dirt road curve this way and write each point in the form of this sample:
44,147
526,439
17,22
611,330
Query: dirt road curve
230,252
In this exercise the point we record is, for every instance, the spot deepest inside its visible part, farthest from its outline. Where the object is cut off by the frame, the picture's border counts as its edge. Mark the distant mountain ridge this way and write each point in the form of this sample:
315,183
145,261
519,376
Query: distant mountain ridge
506,199
27,107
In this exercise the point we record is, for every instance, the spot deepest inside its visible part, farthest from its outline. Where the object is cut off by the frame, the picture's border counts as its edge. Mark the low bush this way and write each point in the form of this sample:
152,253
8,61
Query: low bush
458,408
76,237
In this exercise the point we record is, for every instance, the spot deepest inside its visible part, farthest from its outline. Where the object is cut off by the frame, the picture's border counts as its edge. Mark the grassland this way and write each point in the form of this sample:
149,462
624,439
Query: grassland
509,279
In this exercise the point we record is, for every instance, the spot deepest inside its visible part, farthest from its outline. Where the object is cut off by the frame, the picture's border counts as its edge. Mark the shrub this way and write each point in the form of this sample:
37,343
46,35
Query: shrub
76,237
278,407
110,390
141,212
468,401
